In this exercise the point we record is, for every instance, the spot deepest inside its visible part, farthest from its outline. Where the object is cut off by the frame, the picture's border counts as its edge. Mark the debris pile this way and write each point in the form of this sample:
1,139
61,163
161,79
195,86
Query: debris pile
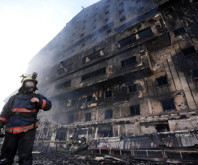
88,159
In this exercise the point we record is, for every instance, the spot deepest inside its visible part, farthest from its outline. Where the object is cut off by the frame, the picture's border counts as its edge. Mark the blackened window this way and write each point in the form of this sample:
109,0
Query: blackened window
108,94
67,66
105,131
88,117
82,35
128,62
59,86
133,88
61,134
127,40
188,51
135,110
92,56
60,71
162,128
179,31
108,114
90,98
162,81
71,118
122,18
66,84
94,74
81,131
168,104
145,33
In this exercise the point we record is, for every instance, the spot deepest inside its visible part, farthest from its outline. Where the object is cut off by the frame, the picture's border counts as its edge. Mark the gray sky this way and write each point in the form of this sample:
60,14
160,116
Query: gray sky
26,26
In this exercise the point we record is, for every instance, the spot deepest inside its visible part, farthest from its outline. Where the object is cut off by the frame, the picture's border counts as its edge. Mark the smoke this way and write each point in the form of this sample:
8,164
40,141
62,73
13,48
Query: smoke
104,15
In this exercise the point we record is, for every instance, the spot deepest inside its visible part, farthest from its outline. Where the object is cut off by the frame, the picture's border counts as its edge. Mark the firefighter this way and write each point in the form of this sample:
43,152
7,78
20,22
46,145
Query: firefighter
70,143
19,115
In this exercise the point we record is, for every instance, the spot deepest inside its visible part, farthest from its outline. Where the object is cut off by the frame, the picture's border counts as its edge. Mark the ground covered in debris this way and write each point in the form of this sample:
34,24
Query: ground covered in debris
55,158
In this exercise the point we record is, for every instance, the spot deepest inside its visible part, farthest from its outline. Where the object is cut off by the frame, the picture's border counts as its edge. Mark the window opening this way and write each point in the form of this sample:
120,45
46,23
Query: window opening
162,81
133,88
179,31
108,94
94,74
108,114
135,110
168,104
128,62
88,117
188,51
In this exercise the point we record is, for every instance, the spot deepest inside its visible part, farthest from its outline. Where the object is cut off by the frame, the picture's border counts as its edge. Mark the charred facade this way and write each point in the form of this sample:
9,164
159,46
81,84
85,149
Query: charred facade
124,69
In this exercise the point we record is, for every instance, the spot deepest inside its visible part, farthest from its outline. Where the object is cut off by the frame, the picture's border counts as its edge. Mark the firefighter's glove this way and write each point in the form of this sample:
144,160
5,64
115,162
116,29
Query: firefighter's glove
35,101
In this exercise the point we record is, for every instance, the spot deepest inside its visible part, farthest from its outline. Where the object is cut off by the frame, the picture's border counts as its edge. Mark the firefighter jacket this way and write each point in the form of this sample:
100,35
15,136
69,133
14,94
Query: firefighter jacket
20,114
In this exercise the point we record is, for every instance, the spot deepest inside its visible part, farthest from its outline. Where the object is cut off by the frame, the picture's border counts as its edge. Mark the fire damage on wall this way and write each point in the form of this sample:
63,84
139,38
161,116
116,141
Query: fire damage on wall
129,85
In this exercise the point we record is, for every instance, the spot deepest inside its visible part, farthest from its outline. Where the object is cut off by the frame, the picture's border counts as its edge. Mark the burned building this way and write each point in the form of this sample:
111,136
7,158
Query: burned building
123,69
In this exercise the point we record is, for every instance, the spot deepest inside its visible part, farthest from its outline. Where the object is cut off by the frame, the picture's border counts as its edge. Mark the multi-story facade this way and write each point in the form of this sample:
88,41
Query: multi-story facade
123,68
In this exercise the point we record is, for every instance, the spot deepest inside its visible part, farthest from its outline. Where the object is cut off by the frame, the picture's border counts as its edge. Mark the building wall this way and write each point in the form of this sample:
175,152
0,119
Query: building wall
134,73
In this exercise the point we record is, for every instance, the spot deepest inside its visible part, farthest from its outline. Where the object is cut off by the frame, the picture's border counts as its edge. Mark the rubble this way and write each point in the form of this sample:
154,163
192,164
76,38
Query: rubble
63,159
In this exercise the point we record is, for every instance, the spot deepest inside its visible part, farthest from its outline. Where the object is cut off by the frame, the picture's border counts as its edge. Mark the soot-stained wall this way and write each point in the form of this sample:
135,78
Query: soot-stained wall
126,68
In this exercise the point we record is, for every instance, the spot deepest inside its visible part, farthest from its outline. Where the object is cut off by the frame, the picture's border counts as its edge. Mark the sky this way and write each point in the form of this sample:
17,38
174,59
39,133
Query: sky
26,26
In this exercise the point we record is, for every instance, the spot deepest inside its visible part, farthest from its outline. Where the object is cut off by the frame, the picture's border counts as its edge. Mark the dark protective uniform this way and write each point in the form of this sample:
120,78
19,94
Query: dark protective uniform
20,117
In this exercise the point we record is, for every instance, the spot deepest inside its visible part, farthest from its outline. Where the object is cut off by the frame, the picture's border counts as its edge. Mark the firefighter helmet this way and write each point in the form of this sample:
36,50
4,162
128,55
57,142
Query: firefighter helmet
29,82
29,77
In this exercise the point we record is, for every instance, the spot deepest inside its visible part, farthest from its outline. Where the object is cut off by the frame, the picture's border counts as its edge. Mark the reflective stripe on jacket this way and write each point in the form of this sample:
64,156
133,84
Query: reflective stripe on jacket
22,128
23,110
